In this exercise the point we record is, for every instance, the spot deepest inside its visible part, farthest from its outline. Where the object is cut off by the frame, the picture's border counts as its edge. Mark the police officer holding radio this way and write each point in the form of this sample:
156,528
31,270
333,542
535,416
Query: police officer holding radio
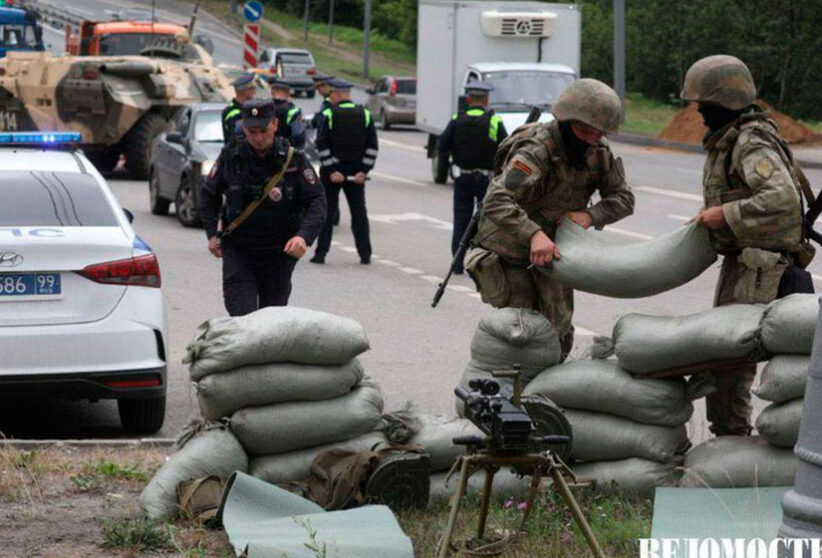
273,209
347,145
243,91
471,138
289,116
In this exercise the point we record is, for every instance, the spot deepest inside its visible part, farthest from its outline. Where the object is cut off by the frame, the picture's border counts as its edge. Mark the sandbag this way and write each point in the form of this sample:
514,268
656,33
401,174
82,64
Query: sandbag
789,324
633,475
436,434
506,484
783,378
738,462
600,437
602,386
221,394
778,424
213,452
296,465
285,427
274,334
645,344
593,263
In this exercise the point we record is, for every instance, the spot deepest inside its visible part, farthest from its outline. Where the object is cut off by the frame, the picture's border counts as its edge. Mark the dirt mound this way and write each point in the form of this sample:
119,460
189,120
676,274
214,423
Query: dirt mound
687,127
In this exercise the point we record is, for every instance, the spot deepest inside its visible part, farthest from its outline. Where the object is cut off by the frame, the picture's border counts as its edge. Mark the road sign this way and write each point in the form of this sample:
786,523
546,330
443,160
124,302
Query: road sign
253,11
251,45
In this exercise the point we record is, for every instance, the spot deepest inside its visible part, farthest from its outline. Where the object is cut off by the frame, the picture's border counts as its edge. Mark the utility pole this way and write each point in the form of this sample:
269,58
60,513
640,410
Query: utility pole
305,20
330,21
366,39
619,51
234,7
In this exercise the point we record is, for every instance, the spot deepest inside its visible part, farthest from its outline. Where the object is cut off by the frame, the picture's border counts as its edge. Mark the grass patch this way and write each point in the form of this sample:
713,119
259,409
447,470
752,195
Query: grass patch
140,534
20,474
814,125
617,521
94,474
646,116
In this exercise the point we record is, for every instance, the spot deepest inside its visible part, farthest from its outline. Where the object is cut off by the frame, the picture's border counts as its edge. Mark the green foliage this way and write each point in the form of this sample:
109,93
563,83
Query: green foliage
142,534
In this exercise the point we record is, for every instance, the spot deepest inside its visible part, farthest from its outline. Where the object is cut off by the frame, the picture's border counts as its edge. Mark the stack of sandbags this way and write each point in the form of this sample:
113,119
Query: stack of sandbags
509,336
288,383
629,431
737,462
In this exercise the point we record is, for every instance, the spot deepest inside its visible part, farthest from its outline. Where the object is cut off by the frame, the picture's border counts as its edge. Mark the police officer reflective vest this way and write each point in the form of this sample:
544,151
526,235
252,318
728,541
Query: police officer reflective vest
476,133
285,111
348,131
231,114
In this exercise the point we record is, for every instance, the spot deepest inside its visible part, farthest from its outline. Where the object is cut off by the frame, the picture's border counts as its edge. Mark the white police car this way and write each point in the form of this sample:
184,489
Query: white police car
81,310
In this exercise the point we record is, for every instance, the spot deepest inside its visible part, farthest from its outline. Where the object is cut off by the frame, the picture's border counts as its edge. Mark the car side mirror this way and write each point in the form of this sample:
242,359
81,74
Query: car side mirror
174,137
129,215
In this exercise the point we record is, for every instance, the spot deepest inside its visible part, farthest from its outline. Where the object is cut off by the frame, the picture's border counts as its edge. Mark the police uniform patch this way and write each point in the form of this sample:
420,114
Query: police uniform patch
764,167
523,167
309,175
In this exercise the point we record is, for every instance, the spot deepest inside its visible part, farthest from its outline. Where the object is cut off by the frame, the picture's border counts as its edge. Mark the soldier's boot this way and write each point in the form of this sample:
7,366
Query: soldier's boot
400,479
319,258
729,408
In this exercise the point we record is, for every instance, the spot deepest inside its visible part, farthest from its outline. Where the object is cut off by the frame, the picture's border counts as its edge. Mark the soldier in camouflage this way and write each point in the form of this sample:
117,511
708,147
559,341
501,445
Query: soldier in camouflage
752,209
546,172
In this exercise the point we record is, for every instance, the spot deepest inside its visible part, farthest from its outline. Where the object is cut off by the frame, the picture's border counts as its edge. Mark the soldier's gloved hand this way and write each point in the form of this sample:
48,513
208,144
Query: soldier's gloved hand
337,177
214,247
711,218
359,178
296,247
581,218
543,249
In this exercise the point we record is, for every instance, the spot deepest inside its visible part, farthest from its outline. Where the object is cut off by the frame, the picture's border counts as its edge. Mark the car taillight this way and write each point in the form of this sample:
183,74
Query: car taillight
125,384
311,71
142,271
393,88
272,70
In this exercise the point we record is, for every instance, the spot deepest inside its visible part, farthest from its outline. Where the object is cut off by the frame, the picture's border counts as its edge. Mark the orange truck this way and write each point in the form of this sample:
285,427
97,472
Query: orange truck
117,38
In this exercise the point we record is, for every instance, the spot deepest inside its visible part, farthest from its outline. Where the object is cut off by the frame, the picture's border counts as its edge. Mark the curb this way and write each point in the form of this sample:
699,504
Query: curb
109,443
648,141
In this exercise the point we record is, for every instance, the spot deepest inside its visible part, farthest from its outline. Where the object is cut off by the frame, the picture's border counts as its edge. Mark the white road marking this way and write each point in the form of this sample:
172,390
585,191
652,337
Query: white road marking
689,171
399,145
393,219
461,289
816,277
476,295
629,233
412,270
348,249
336,243
679,217
389,263
399,179
670,193
584,332
431,278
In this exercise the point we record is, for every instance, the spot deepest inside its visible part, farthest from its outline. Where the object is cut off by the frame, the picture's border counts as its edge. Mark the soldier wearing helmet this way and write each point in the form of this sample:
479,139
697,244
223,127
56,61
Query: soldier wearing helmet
752,211
544,173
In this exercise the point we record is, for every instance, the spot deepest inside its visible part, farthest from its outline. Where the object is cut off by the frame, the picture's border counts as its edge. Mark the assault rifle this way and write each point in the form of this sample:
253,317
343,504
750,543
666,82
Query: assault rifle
471,230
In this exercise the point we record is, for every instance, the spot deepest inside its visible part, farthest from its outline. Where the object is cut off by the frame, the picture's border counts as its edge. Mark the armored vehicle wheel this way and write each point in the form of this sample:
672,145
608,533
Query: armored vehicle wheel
158,205
439,168
138,144
142,416
104,161
186,205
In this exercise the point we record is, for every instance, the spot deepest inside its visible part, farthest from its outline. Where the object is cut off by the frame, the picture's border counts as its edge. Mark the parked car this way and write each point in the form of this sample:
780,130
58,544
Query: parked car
183,157
82,309
294,66
393,100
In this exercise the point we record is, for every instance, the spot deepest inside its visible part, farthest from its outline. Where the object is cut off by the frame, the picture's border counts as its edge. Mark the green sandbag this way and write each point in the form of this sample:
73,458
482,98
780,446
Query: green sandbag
215,451
778,424
273,334
603,386
296,465
506,484
285,427
600,437
436,434
633,475
221,394
783,378
789,324
738,462
645,344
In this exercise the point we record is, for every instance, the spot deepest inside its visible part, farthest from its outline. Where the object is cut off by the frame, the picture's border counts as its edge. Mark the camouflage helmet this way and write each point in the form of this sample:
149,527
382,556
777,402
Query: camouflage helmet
720,79
591,102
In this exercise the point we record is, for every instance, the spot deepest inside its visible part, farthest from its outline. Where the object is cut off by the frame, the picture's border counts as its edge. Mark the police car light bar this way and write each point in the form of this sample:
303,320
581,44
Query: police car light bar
39,138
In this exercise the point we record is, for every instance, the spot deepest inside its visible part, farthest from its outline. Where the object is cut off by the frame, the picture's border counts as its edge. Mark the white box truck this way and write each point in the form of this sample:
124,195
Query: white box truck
529,51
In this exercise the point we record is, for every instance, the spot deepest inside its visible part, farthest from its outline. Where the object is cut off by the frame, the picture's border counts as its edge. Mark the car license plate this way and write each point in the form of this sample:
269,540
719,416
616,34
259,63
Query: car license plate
30,286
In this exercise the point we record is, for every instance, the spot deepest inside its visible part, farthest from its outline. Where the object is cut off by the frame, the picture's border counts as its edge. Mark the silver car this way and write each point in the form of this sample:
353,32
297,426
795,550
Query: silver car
393,100
294,66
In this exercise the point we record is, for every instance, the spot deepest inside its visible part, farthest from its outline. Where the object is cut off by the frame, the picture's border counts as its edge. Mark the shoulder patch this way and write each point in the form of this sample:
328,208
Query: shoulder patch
309,175
519,164
764,167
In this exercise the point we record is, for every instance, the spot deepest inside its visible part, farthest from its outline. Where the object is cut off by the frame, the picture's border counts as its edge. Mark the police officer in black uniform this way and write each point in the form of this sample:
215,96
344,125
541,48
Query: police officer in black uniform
289,116
347,144
259,255
243,92
321,85
471,138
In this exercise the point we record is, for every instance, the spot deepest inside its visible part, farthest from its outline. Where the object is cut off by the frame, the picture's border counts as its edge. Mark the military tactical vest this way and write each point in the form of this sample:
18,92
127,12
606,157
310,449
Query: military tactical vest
348,134
722,183
473,146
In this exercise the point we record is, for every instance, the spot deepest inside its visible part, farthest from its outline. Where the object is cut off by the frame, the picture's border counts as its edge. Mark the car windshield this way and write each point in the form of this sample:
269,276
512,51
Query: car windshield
518,88
116,44
36,199
17,36
208,126
296,58
407,86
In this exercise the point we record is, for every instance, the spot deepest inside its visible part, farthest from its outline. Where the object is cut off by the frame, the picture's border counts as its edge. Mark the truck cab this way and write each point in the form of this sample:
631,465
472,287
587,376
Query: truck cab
20,30
118,38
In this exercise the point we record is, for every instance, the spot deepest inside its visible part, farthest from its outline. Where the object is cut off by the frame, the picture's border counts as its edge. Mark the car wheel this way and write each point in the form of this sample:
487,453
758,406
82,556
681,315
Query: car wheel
439,168
158,205
142,416
384,123
186,205
139,144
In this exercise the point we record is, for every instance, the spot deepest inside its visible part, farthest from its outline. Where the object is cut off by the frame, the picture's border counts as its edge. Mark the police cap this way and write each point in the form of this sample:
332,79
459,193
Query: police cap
257,113
478,88
320,77
338,84
245,81
277,83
